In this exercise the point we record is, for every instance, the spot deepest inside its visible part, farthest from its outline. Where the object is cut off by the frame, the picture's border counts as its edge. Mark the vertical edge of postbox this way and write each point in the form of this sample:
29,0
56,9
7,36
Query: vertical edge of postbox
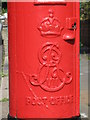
78,60
12,58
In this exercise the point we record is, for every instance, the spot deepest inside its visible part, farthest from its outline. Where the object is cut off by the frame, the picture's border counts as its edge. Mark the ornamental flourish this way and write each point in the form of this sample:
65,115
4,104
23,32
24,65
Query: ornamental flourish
50,77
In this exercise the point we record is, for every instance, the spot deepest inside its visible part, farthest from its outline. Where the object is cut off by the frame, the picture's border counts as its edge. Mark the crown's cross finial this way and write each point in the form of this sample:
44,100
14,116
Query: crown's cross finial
51,13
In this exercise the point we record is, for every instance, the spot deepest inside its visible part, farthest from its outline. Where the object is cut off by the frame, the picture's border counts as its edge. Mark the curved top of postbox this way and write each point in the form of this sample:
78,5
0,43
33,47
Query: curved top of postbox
50,1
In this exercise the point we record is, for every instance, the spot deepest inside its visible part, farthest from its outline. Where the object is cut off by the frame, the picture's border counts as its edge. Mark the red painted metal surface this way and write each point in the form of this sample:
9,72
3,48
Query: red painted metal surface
44,59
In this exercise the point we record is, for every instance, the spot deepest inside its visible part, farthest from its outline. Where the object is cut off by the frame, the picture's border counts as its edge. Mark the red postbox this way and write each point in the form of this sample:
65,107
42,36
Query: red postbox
44,59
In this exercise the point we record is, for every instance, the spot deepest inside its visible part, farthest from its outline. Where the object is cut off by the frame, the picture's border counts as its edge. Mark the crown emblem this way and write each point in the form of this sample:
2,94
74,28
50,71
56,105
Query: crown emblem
50,26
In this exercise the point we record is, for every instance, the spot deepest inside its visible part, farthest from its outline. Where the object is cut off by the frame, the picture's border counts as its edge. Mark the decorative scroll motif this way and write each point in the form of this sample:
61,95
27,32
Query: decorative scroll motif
50,26
50,77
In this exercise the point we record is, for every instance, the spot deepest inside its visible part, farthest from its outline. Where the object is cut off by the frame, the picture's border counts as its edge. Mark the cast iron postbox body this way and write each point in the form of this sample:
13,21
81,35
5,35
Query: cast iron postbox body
44,59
